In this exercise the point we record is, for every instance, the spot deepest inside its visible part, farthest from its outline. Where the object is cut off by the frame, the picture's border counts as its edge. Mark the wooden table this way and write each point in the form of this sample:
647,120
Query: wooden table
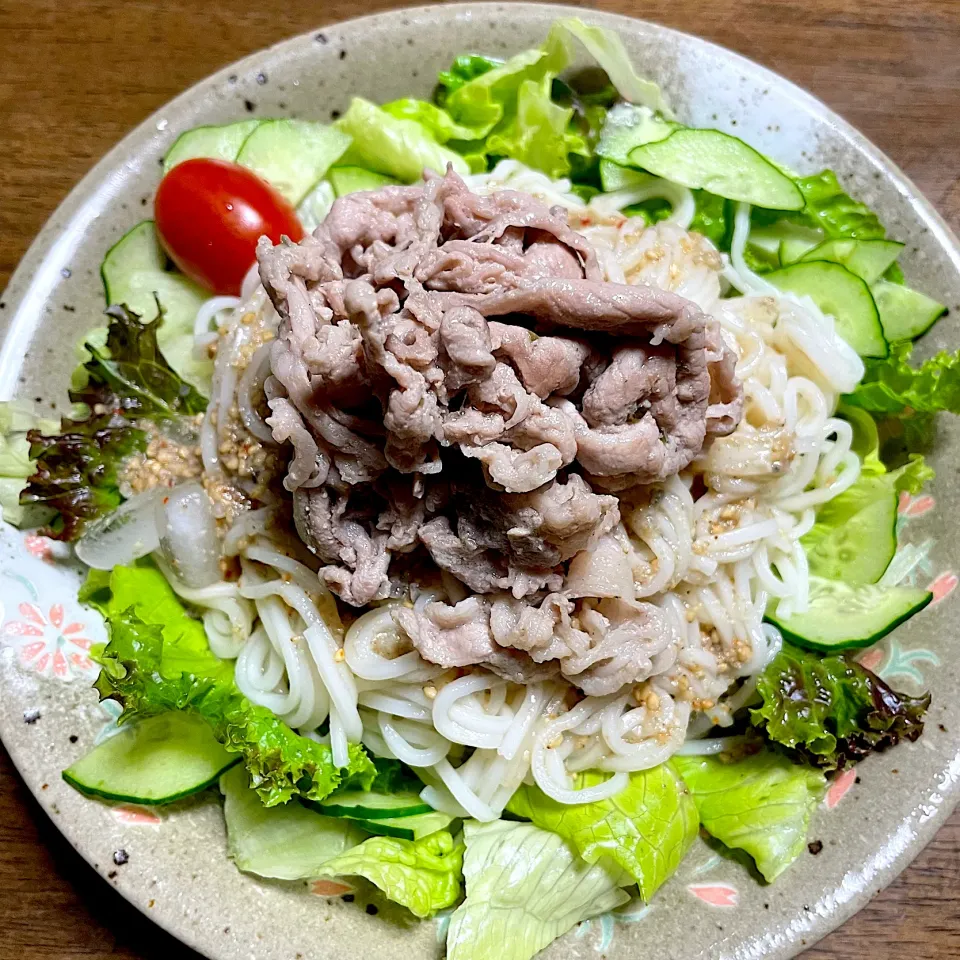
76,75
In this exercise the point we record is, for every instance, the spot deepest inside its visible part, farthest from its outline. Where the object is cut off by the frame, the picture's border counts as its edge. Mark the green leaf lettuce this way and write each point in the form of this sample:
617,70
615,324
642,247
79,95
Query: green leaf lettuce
646,829
831,710
124,381
525,888
760,804
422,875
157,659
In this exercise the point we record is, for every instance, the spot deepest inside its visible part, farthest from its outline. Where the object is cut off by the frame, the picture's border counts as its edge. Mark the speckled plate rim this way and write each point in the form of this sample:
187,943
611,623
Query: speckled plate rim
39,271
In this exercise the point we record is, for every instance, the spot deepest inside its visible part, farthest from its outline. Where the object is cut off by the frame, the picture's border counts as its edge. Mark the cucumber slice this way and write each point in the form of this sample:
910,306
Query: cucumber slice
843,616
134,272
292,155
628,126
904,313
855,537
793,249
354,179
614,177
161,759
407,828
368,805
838,292
216,142
723,165
868,259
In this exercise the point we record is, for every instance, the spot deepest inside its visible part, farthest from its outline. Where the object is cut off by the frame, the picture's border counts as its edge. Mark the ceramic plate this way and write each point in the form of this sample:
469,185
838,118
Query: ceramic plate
171,863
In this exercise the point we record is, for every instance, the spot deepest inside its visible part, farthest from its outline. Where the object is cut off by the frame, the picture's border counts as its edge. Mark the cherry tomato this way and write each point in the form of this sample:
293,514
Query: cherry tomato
210,214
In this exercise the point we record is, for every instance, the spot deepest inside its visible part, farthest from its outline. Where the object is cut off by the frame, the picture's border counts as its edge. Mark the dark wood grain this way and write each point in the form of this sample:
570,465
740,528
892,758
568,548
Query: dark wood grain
76,75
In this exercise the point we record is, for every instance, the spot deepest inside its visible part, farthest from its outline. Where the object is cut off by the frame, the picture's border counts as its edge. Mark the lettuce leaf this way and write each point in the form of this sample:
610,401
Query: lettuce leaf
646,829
527,114
158,659
123,381
525,888
538,134
463,69
398,147
904,398
893,386
761,804
833,210
441,126
713,217
16,464
145,592
832,711
288,842
491,95
422,875
606,47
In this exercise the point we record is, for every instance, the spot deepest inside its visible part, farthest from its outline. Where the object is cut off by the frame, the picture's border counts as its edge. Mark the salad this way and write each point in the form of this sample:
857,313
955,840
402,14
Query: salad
487,494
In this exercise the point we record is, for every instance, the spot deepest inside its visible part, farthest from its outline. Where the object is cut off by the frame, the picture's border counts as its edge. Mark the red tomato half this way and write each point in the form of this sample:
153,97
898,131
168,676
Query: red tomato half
210,214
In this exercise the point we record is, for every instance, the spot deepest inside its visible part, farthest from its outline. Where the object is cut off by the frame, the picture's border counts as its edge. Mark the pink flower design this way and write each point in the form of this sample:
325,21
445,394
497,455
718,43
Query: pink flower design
716,894
39,547
943,585
840,787
48,647
872,659
330,888
910,507
134,814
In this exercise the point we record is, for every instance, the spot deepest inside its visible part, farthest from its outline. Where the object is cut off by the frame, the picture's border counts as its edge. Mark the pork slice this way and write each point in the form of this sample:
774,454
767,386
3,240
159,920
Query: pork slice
725,408
310,465
468,556
515,469
314,259
358,559
592,305
615,645
357,459
460,636
546,365
599,647
412,416
465,339
468,267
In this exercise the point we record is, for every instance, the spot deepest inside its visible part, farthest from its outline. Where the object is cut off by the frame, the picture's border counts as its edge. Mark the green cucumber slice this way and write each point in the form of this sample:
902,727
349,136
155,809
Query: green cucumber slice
134,272
216,142
793,249
855,537
838,292
844,616
628,126
161,759
723,165
407,828
868,259
613,177
346,180
904,313
292,155
368,805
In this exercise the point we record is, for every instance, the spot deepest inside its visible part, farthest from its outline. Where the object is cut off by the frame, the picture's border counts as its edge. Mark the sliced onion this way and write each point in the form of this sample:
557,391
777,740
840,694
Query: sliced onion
127,534
188,535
